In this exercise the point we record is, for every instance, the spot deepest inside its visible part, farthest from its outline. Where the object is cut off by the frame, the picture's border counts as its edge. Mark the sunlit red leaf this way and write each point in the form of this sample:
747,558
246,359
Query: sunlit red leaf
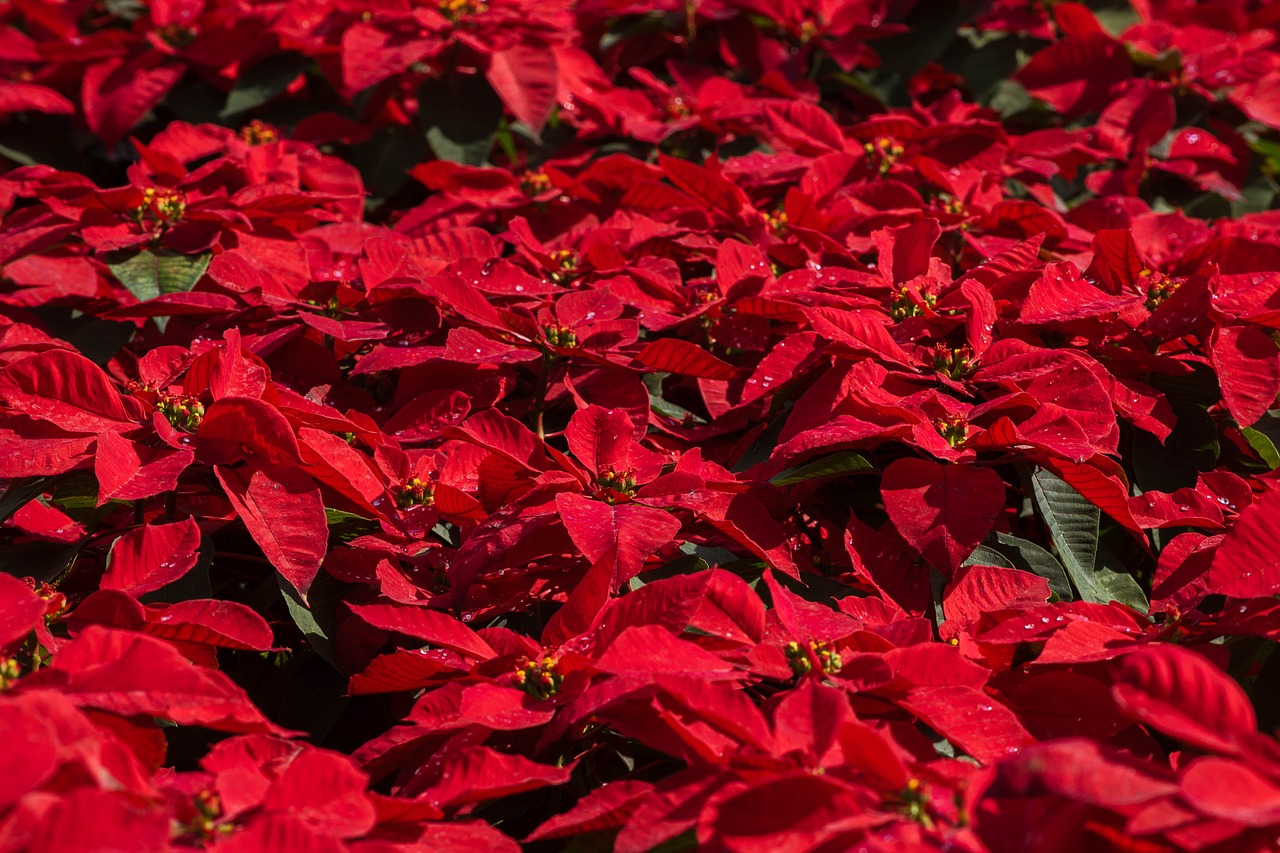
942,510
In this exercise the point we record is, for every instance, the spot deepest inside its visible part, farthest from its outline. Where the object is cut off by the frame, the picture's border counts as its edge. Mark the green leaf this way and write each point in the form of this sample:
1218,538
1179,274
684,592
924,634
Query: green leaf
1119,585
1074,524
653,382
267,80
461,117
845,462
1264,438
984,556
1117,18
345,526
317,621
128,10
1030,557
150,274
1263,446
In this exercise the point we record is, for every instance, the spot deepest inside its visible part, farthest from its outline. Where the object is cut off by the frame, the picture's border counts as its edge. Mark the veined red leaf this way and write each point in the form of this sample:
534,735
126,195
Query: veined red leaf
705,183
421,623
238,429
526,78
1247,563
652,649
149,557
807,128
48,451
127,674
480,773
1232,791
188,625
18,97
405,670
69,390
1116,261
629,533
21,610
91,819
1074,75
673,355
788,811
1248,365
600,437
862,330
1180,693
976,722
129,471
942,510
284,514
1107,491
905,251
324,791
118,93
601,809
31,756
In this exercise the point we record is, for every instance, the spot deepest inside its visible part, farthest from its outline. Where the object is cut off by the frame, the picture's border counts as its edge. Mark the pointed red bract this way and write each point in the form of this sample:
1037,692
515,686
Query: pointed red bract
1247,563
145,559
1248,364
127,674
943,511
1181,694
68,390
284,514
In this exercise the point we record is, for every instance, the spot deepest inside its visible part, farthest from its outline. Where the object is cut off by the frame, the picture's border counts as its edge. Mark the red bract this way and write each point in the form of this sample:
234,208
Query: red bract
741,425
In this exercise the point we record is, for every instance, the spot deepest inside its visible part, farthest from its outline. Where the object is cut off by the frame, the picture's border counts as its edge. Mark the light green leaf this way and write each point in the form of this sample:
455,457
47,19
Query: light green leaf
984,556
1263,437
1030,557
846,462
1263,446
265,81
150,274
317,621
1074,524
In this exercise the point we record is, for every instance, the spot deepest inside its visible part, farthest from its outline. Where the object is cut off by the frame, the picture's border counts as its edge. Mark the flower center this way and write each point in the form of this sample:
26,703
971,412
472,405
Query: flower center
534,183
801,657
257,133
415,492
539,677
181,411
560,336
456,10
954,428
885,152
904,305
615,484
953,362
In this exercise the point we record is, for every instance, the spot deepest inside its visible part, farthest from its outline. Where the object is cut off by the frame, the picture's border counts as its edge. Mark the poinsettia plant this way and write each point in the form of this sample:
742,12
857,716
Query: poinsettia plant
639,426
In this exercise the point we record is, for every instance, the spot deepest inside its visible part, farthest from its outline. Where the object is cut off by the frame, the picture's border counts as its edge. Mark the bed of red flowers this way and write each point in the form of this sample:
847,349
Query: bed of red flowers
639,425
